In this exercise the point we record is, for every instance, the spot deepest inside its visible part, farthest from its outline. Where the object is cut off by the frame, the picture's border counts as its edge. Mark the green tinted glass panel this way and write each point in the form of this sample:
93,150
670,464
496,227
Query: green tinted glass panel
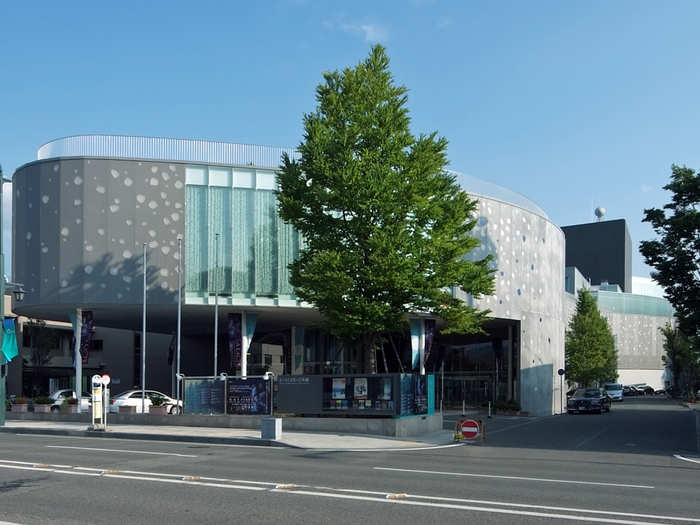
255,247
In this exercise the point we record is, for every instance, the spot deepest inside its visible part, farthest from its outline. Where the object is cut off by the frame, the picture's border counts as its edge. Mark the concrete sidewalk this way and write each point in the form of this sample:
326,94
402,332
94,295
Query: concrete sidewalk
231,436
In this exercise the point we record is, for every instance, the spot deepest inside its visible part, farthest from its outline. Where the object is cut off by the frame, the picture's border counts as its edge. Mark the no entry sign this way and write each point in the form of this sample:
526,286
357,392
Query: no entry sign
469,429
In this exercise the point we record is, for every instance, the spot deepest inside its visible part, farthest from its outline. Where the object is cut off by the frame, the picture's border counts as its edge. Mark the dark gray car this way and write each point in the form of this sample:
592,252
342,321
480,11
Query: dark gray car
588,400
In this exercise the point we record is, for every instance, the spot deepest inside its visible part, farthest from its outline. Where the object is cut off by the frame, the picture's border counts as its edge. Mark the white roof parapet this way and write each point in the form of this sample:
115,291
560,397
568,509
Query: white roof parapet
165,149
227,153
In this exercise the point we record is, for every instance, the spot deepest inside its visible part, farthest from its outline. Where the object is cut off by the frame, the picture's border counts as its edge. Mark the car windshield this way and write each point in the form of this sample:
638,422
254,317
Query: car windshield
613,387
592,393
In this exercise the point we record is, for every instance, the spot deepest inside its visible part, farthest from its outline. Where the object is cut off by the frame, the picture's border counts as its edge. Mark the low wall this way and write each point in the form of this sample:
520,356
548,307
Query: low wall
396,427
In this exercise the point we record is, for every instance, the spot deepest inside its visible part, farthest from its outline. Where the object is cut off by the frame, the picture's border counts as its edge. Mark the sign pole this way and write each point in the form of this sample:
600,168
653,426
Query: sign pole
179,317
143,338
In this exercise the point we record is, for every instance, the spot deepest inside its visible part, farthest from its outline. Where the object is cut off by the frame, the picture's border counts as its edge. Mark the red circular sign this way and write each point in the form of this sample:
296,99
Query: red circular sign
470,429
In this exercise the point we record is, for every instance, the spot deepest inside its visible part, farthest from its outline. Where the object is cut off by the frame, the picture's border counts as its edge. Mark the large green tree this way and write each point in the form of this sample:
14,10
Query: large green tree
386,227
675,255
590,347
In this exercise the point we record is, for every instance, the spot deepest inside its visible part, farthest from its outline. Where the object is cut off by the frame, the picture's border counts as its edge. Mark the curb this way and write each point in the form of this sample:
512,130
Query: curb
148,437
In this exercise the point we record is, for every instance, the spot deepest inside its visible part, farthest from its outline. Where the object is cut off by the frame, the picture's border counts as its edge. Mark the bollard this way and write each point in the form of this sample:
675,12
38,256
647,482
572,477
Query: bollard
489,409
463,407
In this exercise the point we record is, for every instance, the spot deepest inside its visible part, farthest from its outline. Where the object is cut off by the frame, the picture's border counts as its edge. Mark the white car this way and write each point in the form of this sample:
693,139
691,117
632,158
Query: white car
132,398
614,391
59,396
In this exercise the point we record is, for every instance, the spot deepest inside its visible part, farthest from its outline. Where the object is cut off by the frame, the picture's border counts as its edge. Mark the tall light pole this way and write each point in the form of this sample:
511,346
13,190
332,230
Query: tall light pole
216,305
179,315
143,338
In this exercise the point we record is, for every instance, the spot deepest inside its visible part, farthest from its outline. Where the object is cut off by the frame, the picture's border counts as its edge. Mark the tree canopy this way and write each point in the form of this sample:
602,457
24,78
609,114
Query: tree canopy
386,227
590,347
675,255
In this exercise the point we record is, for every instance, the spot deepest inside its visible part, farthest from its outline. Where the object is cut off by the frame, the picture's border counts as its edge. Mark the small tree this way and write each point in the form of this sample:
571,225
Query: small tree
681,358
386,227
590,347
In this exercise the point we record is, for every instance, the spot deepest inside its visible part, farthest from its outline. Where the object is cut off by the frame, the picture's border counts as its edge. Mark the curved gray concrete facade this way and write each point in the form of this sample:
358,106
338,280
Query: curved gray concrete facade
528,252
79,228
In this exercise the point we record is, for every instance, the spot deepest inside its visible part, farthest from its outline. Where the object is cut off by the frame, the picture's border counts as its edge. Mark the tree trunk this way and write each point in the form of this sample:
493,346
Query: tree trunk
396,352
369,351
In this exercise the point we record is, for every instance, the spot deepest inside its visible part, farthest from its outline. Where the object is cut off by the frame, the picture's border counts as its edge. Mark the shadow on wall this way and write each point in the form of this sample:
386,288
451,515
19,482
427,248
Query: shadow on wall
536,391
110,282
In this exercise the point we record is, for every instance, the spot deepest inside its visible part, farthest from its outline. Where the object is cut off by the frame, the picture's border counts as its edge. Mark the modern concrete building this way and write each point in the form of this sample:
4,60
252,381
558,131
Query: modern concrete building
85,209
599,258
602,251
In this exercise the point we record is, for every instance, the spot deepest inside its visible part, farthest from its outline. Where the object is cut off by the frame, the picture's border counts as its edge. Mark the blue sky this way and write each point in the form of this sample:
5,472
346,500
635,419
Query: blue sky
573,104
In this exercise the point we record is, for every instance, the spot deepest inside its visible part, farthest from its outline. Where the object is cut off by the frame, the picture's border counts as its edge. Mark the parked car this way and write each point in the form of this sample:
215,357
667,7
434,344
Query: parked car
61,395
643,389
629,390
589,400
133,398
614,391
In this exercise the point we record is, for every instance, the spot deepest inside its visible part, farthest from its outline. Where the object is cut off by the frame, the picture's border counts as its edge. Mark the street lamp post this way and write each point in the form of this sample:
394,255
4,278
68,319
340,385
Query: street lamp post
143,338
179,316
216,304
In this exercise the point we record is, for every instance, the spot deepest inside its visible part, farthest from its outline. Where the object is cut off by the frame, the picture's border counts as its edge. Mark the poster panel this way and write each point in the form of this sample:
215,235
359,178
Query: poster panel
360,391
204,396
250,396
338,388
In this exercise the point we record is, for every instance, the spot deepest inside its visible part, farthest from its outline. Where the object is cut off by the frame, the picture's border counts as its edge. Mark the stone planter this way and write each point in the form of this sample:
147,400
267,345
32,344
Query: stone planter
42,409
69,409
127,410
158,411
20,407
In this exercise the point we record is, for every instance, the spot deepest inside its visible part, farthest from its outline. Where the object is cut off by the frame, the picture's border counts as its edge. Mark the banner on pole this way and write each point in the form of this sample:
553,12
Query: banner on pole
234,341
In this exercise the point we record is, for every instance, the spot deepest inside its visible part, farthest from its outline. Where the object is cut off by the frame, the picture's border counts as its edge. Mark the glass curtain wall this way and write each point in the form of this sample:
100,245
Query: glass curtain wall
255,247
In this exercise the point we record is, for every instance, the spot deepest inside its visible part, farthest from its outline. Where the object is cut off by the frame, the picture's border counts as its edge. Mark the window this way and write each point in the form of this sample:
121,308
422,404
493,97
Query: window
135,395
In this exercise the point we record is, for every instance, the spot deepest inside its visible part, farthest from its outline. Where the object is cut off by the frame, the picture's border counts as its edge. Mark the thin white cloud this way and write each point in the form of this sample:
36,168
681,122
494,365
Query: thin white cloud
444,22
370,32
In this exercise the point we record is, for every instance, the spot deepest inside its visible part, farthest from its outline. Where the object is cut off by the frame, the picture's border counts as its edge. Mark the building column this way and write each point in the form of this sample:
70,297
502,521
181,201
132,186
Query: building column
77,329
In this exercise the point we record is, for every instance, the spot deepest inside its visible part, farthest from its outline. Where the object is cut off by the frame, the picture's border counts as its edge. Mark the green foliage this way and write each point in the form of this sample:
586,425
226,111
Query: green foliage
43,400
590,347
675,255
386,227
158,401
70,401
683,358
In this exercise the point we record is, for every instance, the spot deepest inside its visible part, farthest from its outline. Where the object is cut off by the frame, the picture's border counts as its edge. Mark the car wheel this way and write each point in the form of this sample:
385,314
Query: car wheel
175,410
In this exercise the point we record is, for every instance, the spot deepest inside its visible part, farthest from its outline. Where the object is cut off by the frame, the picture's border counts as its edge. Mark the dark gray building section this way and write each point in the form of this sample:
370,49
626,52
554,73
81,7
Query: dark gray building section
79,228
602,251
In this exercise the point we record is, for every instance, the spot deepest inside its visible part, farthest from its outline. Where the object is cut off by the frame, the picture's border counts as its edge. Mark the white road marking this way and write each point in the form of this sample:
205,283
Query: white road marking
377,497
468,507
678,456
126,451
518,478
547,507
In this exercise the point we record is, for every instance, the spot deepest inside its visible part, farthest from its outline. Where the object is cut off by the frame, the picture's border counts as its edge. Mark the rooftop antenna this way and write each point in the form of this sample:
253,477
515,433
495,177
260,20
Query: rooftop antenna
599,213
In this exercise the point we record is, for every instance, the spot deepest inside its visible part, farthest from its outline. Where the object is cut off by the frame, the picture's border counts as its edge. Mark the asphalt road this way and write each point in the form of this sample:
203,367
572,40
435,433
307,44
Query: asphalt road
638,464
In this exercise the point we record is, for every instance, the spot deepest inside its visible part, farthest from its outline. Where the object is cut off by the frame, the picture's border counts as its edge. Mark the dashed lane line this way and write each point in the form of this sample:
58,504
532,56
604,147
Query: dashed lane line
516,478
